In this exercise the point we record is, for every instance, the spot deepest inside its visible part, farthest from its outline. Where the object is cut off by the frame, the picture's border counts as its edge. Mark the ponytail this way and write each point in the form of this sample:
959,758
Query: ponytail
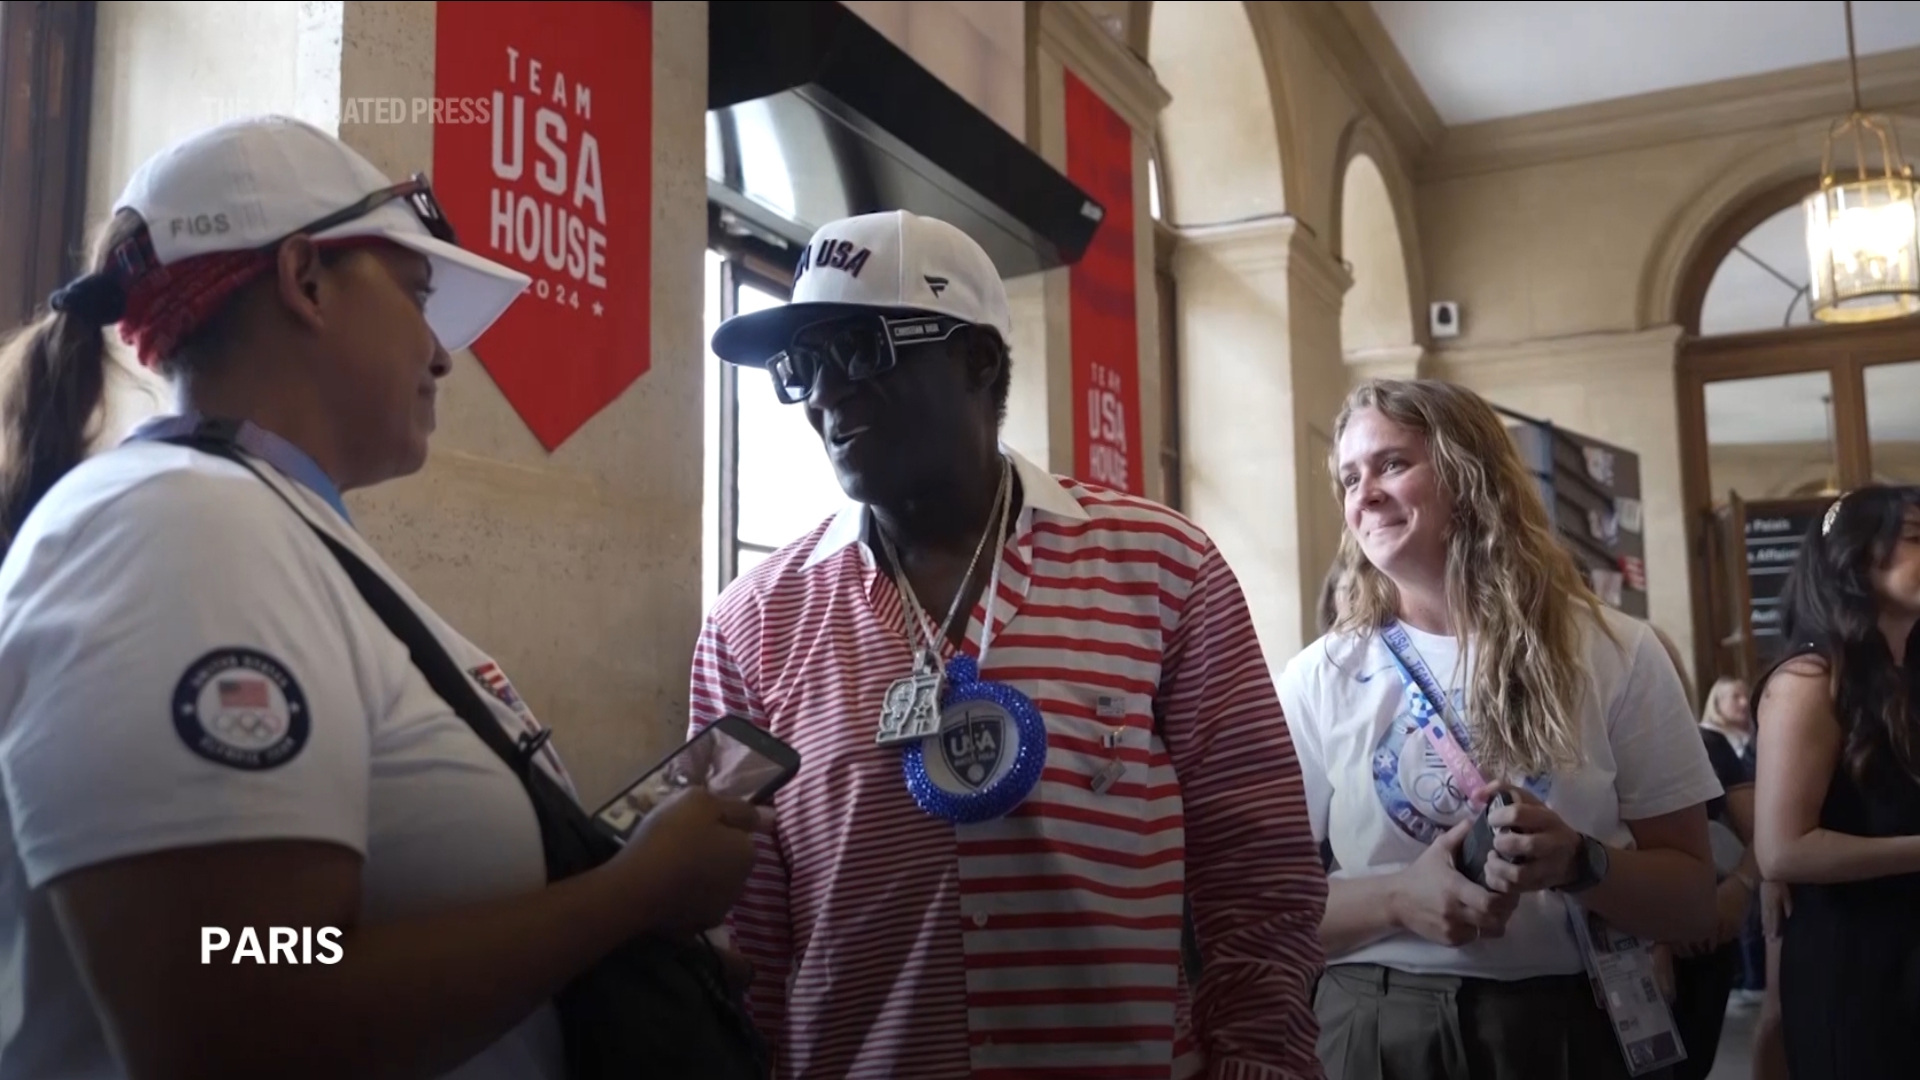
54,385
56,381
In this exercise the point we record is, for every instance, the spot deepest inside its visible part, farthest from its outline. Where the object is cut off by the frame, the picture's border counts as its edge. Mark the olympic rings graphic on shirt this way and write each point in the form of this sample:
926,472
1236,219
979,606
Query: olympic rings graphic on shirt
252,725
241,708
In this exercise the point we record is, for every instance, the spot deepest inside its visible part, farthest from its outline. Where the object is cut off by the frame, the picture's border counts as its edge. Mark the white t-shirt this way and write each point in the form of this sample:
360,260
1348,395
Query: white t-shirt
183,663
1379,793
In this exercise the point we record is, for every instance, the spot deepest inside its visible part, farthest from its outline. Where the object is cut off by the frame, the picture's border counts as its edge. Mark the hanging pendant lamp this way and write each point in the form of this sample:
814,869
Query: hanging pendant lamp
1863,230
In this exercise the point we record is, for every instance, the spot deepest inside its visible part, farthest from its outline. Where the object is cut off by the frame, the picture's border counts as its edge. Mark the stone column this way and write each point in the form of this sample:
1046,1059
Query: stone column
1318,284
578,570
1261,378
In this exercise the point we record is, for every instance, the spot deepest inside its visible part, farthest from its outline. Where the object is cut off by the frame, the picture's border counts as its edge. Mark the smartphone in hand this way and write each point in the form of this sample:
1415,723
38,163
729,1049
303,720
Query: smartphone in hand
1479,845
731,756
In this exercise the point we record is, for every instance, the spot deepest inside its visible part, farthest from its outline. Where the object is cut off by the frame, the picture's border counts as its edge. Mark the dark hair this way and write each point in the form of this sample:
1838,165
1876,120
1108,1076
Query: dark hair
1830,611
55,375
55,380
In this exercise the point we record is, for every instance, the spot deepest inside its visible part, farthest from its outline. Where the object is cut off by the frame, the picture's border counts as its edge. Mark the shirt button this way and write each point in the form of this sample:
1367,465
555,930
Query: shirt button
979,918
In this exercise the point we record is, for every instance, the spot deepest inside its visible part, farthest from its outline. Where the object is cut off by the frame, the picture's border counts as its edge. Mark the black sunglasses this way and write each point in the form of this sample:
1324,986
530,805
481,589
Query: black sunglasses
860,347
418,194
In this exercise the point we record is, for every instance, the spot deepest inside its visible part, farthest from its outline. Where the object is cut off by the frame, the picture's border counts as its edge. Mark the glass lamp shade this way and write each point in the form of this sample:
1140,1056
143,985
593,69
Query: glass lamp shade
1863,246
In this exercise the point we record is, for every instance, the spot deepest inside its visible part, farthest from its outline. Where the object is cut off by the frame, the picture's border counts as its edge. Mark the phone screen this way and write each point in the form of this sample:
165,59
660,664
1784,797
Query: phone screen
715,759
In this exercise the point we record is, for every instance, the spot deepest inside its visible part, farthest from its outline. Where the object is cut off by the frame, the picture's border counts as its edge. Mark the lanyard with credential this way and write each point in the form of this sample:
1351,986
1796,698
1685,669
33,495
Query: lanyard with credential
1429,706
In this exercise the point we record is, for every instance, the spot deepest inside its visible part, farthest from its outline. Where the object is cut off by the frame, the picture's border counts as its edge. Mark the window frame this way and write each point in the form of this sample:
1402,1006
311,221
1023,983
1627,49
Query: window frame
46,69
1843,352
740,264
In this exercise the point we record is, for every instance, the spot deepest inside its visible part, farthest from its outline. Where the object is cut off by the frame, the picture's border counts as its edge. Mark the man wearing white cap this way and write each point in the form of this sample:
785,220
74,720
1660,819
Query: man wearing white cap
243,832
1034,719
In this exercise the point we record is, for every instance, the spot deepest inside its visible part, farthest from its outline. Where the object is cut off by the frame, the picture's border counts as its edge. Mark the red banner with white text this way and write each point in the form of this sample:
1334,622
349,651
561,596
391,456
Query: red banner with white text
547,167
1102,299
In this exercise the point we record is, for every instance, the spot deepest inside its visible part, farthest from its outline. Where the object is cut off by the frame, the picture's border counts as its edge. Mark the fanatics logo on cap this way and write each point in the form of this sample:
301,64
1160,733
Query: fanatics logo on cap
937,284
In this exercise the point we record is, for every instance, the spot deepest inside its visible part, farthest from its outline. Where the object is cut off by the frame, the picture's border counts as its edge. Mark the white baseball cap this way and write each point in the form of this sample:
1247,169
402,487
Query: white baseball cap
888,262
248,183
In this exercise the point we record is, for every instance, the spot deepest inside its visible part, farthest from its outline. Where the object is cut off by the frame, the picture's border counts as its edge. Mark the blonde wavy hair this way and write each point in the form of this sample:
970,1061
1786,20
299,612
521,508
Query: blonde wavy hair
1710,714
1511,588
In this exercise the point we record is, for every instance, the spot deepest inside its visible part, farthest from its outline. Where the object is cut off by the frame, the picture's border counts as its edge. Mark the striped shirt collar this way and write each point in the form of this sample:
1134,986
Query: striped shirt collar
1040,491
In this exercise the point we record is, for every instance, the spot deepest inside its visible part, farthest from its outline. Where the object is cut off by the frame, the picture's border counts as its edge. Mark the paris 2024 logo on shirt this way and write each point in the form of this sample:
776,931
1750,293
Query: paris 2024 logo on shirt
1413,783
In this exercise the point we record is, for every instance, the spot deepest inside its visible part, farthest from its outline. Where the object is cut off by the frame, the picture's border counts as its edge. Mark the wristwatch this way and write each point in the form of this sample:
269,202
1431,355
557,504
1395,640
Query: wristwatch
1589,866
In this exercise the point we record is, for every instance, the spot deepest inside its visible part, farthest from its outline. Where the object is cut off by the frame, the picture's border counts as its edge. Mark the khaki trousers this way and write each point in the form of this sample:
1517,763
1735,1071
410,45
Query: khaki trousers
1380,1024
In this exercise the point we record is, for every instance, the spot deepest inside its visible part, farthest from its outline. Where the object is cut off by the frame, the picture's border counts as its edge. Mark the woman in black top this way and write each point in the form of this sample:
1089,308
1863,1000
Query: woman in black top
1839,792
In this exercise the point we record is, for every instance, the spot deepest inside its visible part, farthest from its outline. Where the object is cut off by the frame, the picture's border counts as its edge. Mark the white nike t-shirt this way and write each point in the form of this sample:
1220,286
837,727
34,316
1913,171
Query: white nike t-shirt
1380,794
183,663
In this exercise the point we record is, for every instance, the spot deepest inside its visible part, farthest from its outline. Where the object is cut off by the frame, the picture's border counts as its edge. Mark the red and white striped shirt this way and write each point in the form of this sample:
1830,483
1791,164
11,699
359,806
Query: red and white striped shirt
888,943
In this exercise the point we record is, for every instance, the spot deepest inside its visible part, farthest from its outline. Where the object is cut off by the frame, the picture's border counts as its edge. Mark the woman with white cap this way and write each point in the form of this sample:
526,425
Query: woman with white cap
213,745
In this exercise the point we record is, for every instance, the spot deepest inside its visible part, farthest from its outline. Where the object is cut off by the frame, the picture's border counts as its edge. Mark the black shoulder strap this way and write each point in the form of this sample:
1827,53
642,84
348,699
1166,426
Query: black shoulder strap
654,1007
429,655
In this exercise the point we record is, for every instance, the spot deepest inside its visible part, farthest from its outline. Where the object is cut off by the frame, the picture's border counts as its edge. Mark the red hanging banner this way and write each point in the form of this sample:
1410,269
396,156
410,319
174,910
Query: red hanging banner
1102,301
548,168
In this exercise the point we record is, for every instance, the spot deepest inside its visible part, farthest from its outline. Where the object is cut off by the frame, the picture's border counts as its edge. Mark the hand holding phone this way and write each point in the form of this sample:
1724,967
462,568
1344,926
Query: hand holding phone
1479,844
731,757
1432,899
686,862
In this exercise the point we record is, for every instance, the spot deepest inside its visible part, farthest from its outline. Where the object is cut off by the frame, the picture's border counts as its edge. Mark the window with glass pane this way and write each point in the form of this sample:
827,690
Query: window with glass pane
1762,283
1893,421
786,484
1771,437
716,452
768,479
1153,187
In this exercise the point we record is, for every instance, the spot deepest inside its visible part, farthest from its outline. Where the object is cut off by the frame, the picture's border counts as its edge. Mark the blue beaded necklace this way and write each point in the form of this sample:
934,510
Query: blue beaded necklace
985,755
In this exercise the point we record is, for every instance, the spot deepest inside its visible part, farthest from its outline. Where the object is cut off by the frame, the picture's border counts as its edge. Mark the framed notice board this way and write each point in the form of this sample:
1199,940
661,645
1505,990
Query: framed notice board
1592,492
1752,548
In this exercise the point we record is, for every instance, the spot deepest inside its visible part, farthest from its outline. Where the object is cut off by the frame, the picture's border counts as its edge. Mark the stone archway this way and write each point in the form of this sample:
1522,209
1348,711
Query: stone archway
1380,332
1764,408
1257,312
1383,330
1220,135
1748,176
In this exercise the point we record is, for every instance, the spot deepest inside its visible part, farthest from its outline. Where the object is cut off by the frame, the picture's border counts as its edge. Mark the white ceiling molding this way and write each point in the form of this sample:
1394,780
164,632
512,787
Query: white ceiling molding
1889,82
1482,60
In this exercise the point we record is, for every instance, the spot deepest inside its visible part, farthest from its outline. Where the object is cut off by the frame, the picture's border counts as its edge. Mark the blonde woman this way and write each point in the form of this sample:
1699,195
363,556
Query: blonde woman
1573,709
1727,719
1727,712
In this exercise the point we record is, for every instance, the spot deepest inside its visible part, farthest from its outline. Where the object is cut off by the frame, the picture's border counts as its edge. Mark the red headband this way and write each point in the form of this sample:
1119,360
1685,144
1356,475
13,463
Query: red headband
167,303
